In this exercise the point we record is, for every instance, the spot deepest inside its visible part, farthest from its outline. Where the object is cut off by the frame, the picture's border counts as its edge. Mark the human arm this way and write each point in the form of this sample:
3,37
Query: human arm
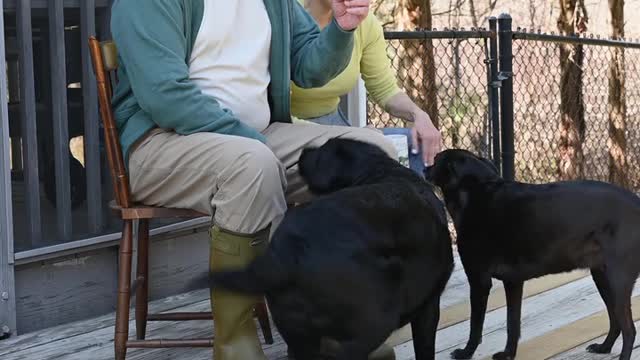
319,56
381,83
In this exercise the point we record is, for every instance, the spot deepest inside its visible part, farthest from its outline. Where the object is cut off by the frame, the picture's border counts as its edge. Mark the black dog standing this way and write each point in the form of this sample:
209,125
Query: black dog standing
369,255
515,232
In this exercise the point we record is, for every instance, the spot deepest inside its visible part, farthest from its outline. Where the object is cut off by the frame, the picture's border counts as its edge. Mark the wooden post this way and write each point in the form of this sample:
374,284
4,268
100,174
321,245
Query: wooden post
60,119
7,281
357,105
91,119
28,124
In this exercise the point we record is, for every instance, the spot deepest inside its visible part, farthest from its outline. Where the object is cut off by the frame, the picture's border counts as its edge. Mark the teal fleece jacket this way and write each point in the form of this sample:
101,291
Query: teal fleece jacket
155,39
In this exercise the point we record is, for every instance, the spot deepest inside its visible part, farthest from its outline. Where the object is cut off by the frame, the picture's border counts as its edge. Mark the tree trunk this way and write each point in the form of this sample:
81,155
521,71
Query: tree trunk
617,100
417,57
572,20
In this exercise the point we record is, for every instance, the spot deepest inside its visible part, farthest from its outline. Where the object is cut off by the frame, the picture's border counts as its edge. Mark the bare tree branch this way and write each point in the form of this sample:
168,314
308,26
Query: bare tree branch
377,6
532,13
391,22
474,16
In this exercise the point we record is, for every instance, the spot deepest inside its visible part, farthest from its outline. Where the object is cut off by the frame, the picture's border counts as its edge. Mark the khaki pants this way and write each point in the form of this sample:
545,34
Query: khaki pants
242,182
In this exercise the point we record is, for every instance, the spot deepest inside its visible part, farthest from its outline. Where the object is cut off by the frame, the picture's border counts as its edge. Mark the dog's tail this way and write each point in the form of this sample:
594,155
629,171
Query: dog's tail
265,273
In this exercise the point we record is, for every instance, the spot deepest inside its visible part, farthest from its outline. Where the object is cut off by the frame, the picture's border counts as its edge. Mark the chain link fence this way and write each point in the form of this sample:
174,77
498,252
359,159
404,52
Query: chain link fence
553,141
446,73
542,152
459,73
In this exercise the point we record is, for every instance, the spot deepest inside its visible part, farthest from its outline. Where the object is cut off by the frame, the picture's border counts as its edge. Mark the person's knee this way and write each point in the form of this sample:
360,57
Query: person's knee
251,194
387,146
258,167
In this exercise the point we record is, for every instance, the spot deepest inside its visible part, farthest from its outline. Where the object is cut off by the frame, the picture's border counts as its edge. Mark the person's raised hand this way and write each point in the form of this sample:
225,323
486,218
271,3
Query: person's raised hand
350,13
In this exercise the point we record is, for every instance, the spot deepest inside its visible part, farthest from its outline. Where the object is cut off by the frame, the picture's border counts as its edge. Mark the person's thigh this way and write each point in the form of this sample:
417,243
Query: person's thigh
237,180
288,140
415,159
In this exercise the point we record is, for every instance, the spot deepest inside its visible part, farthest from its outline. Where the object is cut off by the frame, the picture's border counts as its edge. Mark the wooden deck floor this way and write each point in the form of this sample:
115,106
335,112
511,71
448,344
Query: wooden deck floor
561,315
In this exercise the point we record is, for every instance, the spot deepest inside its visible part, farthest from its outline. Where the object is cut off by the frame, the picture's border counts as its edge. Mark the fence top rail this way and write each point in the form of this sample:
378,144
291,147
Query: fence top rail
574,39
439,34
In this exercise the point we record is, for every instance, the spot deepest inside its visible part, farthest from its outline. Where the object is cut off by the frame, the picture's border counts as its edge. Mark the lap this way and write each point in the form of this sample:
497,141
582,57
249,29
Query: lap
288,140
168,169
415,159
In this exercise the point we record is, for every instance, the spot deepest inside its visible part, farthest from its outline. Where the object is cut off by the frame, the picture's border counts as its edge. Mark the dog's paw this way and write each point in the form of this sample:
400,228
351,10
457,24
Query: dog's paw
503,356
599,349
461,354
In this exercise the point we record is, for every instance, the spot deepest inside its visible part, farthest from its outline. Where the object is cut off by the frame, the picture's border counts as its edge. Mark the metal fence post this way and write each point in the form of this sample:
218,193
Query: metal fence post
505,38
493,85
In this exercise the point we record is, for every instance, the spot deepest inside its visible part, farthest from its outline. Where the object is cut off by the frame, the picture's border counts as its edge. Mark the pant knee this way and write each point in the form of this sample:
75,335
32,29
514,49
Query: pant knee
388,147
252,193
376,138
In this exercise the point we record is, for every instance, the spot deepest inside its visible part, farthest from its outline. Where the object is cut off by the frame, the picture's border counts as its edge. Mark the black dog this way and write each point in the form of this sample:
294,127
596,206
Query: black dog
515,232
369,255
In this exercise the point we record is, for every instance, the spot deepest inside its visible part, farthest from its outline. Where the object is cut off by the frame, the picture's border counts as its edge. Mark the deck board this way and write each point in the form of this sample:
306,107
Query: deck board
553,304
579,352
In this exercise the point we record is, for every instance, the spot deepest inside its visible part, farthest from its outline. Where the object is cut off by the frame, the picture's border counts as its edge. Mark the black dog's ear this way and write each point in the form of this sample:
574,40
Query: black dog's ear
320,183
427,172
321,180
453,172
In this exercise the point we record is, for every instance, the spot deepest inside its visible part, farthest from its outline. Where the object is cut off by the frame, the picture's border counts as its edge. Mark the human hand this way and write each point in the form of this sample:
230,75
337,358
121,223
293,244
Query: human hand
350,13
425,136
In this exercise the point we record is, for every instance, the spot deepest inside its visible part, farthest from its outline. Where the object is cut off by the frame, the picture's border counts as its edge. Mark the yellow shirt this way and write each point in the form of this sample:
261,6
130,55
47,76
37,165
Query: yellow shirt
369,59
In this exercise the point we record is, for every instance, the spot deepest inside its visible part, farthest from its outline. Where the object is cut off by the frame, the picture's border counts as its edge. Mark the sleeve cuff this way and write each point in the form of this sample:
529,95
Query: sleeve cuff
335,23
337,38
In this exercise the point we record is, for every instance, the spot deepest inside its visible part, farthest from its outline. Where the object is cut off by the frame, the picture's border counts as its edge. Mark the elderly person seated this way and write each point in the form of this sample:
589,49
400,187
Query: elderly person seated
203,114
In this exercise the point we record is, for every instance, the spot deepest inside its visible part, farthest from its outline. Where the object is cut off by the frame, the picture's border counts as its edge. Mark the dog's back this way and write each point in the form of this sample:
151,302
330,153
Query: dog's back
379,229
362,253
553,227
366,256
515,232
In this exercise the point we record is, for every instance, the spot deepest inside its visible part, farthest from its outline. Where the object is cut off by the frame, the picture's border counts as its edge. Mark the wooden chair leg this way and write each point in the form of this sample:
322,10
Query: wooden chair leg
124,289
263,319
142,275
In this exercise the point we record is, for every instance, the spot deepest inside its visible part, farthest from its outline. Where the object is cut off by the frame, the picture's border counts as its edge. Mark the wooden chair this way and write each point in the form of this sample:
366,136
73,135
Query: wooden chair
105,63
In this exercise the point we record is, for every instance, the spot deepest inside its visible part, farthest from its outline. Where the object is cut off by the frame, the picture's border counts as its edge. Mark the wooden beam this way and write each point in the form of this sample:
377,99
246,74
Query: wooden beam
60,118
7,281
28,124
91,119
357,105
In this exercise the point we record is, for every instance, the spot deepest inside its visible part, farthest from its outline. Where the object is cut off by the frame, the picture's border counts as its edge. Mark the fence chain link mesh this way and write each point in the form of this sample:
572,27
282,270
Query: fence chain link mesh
545,146
461,88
